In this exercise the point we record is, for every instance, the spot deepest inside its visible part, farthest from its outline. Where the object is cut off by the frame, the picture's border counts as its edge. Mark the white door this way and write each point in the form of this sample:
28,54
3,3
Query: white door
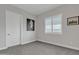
12,29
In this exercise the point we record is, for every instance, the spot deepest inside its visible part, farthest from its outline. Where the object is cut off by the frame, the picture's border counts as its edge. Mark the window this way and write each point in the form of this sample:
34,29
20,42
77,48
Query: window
48,26
57,23
53,24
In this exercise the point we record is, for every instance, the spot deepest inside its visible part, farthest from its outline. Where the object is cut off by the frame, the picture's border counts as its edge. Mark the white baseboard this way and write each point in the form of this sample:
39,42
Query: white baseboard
22,43
62,45
71,47
3,48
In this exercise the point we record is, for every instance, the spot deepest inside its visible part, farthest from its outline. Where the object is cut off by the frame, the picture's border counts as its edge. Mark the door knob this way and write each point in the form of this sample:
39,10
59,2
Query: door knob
8,34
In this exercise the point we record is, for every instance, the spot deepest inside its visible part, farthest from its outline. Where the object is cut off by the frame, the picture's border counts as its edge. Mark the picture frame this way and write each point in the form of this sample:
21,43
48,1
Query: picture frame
30,24
73,20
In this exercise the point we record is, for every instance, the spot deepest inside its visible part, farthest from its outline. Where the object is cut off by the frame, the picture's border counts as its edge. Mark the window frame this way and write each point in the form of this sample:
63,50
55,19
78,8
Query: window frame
53,24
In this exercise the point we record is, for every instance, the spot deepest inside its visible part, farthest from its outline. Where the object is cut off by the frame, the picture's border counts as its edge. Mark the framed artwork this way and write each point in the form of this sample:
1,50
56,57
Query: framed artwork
73,20
30,24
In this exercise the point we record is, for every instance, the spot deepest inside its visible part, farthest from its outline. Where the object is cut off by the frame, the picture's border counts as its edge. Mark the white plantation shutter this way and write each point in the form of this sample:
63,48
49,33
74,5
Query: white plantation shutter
53,24
57,23
48,26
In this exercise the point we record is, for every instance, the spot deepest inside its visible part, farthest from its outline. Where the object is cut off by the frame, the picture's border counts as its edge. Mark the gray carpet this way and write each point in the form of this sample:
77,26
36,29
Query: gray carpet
38,48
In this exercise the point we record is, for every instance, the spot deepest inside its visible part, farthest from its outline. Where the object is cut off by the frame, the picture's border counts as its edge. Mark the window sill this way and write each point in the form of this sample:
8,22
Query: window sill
59,33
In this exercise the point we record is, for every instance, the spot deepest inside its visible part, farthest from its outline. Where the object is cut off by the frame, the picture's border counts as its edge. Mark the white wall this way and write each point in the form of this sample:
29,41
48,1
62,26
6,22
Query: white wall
69,37
27,35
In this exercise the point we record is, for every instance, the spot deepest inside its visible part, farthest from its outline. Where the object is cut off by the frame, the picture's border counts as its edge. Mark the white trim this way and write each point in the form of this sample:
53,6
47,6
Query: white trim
22,43
62,45
3,48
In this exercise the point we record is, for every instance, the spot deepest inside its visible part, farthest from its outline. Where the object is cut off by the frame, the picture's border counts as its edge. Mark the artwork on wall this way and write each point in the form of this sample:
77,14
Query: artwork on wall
73,20
30,24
